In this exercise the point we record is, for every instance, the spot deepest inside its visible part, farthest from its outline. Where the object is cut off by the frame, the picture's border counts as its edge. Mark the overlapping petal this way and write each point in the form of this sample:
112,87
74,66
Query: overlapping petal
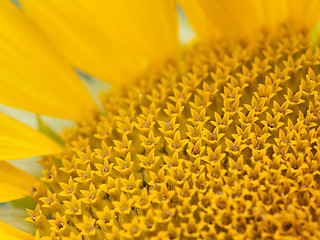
8,232
34,77
238,19
18,141
304,13
112,40
14,183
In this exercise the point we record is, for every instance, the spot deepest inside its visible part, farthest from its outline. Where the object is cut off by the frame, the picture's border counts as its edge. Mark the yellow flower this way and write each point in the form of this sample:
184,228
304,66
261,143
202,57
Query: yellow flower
218,139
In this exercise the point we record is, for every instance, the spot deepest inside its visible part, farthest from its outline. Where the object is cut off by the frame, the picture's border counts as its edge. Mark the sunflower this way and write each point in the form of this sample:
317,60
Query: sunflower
216,139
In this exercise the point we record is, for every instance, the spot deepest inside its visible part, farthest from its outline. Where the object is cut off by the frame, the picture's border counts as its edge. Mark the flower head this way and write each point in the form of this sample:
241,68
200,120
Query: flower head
219,143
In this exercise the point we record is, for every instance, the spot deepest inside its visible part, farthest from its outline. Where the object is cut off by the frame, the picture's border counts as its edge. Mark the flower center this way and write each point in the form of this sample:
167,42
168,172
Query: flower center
225,142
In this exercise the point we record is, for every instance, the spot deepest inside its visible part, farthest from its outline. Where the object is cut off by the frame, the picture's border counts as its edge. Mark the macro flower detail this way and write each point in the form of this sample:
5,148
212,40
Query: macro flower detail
237,156
221,142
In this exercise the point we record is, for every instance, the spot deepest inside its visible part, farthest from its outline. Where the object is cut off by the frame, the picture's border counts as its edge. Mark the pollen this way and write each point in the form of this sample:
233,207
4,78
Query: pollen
222,144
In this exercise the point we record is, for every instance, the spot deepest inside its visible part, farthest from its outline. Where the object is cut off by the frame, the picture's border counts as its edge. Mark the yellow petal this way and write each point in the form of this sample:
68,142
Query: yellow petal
14,183
112,40
18,141
34,76
212,19
304,13
8,232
